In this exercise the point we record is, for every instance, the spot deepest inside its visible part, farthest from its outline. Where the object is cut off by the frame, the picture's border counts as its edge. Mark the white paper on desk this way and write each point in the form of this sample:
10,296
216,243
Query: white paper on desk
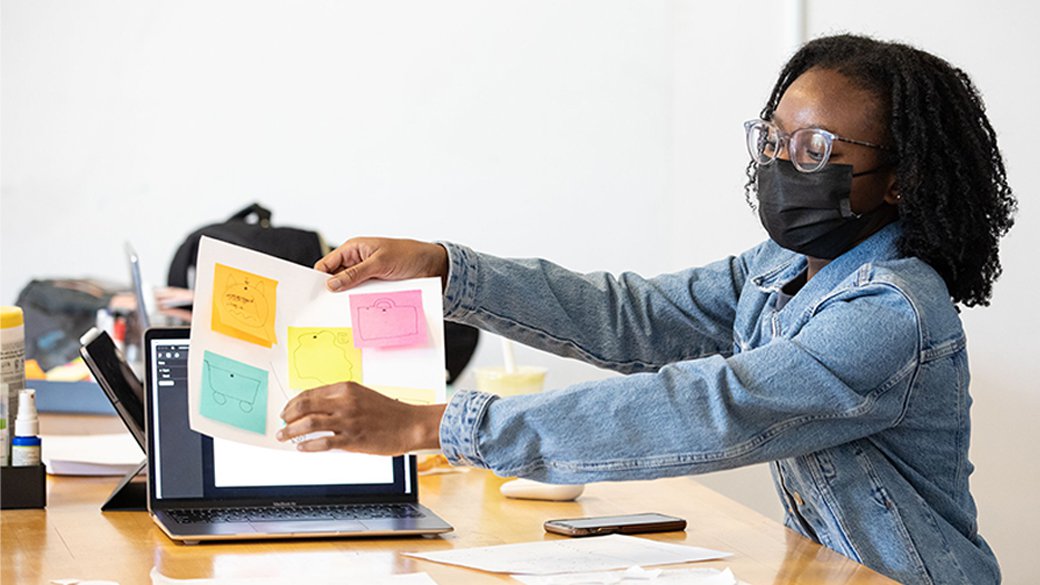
405,579
253,361
114,454
683,576
596,553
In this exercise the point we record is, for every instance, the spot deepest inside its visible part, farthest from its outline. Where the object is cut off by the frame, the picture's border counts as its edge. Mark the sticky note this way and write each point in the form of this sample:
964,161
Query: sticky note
409,395
244,305
393,319
234,393
319,356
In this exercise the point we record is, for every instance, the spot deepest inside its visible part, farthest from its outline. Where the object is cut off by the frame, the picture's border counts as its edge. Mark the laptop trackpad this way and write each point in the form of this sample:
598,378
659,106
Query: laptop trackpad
308,526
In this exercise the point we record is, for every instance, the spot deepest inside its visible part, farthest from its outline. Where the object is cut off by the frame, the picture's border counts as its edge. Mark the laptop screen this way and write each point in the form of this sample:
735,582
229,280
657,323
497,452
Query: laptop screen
185,465
141,301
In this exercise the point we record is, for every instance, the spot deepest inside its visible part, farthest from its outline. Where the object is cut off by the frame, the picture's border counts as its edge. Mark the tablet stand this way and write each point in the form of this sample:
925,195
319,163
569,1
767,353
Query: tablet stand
129,495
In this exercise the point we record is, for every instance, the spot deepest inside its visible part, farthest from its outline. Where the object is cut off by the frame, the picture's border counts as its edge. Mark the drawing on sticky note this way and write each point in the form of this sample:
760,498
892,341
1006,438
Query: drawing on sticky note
240,389
234,393
319,356
244,305
394,319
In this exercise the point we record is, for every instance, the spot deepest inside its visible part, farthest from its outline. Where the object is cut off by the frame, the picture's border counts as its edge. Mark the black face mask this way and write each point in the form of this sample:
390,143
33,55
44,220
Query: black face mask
809,213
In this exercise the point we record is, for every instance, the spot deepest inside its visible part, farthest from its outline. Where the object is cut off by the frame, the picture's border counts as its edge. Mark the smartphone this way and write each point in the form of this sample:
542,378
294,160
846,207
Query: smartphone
626,524
115,377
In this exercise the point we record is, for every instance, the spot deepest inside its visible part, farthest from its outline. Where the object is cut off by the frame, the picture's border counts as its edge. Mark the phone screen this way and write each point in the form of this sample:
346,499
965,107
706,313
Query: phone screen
626,520
626,524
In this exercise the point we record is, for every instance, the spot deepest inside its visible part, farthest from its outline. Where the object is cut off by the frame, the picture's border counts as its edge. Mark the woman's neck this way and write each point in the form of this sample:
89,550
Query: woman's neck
814,265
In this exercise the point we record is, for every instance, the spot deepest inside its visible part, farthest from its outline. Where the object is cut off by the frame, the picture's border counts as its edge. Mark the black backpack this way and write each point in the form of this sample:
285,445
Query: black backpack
251,228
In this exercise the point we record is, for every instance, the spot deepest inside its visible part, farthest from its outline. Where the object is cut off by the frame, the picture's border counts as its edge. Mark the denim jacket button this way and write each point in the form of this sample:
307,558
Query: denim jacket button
798,499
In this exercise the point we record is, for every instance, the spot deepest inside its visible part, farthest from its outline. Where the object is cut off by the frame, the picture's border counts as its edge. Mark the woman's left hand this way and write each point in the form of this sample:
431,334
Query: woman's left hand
360,419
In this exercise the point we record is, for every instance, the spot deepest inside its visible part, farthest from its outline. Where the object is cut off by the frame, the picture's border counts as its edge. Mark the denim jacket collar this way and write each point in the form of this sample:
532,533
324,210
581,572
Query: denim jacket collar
881,245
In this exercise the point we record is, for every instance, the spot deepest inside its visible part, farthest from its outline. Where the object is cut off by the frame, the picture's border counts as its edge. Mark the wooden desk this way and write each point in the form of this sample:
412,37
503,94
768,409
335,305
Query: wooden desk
72,538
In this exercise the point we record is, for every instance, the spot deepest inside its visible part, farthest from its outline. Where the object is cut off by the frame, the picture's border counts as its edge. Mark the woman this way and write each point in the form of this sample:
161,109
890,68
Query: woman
833,350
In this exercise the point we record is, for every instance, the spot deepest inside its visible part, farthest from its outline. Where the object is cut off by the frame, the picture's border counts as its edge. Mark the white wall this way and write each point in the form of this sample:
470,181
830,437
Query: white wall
601,134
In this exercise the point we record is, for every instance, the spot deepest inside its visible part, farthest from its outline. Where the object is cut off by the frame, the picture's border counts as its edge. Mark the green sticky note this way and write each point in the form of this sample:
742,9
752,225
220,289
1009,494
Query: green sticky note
234,393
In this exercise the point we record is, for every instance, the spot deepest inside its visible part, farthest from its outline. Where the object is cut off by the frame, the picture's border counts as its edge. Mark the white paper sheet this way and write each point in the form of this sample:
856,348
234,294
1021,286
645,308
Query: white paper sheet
300,299
113,454
403,579
597,553
636,576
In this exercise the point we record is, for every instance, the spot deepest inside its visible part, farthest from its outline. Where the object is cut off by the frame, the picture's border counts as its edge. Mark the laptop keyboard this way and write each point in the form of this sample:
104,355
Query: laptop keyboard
266,514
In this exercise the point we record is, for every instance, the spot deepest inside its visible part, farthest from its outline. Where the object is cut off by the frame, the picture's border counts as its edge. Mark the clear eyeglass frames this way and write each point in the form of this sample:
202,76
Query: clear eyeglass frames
808,148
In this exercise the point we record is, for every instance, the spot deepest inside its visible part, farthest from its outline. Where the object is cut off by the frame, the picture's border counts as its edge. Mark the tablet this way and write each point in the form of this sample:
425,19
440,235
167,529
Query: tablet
115,377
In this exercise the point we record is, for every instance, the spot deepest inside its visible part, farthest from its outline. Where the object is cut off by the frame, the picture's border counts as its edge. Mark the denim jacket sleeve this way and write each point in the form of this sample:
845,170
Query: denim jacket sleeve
845,374
622,323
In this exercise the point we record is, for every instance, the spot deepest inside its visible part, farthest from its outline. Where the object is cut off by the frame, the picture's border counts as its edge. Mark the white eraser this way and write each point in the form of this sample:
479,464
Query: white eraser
526,489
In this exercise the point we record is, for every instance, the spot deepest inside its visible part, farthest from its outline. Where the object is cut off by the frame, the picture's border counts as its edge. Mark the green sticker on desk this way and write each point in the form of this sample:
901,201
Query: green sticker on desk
234,393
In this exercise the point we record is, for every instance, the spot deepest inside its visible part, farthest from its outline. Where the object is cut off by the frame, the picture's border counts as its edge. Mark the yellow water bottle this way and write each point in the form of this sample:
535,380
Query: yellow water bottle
12,366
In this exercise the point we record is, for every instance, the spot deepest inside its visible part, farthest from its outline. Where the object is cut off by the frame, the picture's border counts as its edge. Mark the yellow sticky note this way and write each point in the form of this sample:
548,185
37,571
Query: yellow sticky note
319,356
244,305
409,395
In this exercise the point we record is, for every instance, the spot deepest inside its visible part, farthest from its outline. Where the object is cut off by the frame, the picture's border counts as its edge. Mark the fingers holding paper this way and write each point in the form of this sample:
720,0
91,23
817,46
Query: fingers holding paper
362,259
359,419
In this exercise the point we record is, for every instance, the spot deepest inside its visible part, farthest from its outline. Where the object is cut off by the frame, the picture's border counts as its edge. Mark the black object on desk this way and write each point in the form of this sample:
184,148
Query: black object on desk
131,493
126,393
23,487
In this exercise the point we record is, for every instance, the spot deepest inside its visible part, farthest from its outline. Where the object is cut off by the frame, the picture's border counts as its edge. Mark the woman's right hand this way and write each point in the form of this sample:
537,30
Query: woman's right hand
361,259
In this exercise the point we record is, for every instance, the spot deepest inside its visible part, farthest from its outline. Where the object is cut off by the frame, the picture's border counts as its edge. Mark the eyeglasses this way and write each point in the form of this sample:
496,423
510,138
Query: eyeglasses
808,148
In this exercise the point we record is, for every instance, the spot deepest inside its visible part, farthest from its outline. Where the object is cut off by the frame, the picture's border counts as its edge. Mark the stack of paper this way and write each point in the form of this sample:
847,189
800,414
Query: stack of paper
116,454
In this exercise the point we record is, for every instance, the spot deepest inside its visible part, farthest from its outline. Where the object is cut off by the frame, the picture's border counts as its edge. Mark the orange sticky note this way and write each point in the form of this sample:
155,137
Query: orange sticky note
244,305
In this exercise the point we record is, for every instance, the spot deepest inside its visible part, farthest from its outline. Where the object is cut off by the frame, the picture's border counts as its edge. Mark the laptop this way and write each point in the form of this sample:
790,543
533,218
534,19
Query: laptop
143,302
149,307
201,488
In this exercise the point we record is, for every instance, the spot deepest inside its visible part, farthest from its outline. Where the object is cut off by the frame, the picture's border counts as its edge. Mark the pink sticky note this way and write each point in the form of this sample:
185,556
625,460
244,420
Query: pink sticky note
393,319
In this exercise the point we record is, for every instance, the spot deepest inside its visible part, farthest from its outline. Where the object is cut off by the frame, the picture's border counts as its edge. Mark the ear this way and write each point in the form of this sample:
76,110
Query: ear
892,194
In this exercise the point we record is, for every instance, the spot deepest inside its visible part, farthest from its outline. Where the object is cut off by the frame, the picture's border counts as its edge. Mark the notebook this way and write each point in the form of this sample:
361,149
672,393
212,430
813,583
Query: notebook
201,488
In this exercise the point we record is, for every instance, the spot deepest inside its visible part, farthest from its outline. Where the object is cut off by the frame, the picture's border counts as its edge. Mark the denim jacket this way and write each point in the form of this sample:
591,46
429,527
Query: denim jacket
854,390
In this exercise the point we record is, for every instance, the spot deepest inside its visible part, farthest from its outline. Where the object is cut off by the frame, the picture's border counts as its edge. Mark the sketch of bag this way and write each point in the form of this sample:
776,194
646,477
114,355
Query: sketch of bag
384,320
226,383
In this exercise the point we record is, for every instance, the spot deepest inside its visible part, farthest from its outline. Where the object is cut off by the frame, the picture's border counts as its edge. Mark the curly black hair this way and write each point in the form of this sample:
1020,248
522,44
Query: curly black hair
955,203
